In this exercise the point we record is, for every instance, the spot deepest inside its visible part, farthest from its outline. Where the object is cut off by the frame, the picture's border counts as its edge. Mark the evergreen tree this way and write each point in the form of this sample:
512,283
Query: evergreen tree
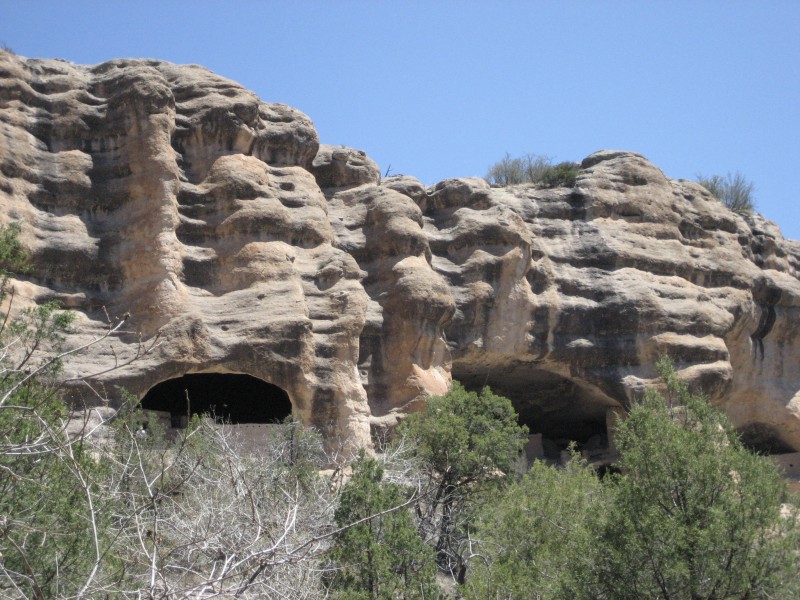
466,442
381,557
535,541
694,514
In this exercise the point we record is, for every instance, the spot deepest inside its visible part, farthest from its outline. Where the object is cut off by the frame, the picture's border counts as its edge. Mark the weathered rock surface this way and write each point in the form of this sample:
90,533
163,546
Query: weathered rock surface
238,243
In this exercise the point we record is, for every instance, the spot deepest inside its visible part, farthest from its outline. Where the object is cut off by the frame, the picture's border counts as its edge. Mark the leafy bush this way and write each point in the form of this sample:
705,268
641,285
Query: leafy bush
533,168
45,528
692,514
382,556
465,441
695,514
12,257
47,534
536,540
734,191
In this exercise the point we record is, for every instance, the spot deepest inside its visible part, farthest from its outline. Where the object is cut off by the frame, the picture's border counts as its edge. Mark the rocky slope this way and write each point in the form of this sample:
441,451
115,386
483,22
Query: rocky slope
238,243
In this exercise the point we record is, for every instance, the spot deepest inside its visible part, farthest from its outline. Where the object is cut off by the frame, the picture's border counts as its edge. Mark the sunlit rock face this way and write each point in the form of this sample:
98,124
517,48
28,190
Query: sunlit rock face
566,297
235,243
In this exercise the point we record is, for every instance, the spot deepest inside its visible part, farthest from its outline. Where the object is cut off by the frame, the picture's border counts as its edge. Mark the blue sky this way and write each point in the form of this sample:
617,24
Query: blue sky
442,89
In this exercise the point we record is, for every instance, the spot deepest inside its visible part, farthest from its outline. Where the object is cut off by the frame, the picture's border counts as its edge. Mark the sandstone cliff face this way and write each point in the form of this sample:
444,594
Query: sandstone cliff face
238,242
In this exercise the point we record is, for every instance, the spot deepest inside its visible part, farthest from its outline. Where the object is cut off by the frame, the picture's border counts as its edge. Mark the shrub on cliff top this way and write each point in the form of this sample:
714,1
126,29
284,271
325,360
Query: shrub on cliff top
734,191
533,168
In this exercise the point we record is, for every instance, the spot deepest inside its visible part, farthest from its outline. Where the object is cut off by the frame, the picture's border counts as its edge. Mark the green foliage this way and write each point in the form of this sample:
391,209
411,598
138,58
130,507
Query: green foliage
692,514
695,514
381,557
734,191
12,260
12,256
535,540
48,537
533,168
465,440
466,436
562,174
45,530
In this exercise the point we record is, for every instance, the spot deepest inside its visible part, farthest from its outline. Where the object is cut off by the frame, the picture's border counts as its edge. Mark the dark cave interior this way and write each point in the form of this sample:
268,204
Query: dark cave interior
561,409
230,398
763,439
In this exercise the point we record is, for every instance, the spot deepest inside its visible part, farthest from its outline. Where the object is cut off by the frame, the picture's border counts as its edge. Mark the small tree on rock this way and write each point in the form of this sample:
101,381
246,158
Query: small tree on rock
734,191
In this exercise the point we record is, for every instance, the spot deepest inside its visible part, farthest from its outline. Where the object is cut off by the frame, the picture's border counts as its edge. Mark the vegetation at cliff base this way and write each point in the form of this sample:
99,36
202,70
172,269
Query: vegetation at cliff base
447,509
383,556
535,540
44,478
465,442
694,513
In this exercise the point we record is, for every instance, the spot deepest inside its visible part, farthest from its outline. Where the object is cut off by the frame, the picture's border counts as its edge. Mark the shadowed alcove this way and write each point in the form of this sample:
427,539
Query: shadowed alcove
763,439
557,410
230,398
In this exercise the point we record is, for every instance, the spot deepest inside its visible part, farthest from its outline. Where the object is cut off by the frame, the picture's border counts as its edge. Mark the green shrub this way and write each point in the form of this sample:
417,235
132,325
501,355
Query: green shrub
561,175
692,514
533,168
734,191
535,540
465,441
12,256
383,556
695,514
48,534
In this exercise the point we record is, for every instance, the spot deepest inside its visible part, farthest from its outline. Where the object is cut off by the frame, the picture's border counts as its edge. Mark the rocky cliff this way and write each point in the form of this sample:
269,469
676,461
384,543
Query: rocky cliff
239,244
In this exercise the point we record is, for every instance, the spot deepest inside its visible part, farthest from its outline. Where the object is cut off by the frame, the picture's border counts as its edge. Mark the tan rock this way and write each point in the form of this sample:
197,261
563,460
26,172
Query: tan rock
237,244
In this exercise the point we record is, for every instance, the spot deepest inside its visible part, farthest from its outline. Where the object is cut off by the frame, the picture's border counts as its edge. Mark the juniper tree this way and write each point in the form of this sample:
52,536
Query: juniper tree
694,514
466,441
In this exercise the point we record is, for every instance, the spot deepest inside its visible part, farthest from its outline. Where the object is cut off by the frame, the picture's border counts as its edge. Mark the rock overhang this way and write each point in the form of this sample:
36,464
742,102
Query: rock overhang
226,231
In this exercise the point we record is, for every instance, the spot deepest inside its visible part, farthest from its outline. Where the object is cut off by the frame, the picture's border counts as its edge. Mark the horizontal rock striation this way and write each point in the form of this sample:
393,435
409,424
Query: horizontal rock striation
235,243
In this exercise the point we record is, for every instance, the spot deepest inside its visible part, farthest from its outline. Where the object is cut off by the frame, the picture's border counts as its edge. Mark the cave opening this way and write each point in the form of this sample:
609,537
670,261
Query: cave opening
763,439
557,410
228,397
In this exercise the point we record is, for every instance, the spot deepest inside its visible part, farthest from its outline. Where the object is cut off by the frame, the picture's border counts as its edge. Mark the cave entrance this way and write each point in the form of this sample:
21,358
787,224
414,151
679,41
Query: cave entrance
229,398
557,410
763,439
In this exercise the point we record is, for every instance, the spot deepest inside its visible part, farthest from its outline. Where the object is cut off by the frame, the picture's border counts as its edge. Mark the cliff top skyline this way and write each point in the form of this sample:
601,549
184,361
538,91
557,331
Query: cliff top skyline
446,90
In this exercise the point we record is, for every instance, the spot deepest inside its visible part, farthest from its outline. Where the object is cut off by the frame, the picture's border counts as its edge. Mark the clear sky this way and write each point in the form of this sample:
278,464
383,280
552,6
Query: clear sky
442,89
